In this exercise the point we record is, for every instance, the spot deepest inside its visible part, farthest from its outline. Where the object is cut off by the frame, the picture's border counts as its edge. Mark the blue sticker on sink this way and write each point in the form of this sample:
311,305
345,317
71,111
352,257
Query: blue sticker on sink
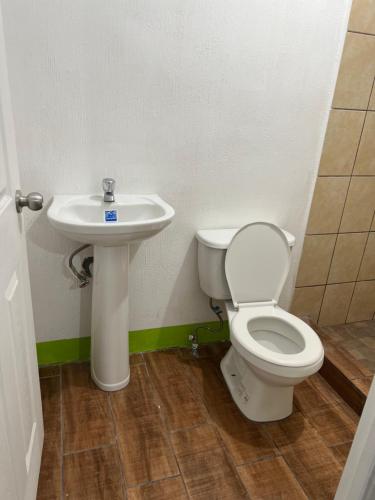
110,215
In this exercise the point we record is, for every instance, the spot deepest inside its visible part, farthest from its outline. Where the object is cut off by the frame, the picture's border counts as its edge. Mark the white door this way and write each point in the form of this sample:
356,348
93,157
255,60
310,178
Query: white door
21,424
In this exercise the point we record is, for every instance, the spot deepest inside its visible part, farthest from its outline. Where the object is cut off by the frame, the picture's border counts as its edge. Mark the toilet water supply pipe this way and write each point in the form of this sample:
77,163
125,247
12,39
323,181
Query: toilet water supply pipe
194,336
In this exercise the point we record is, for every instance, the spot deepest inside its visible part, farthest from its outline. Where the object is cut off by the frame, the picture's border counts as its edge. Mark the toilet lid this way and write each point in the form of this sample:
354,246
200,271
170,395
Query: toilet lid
257,263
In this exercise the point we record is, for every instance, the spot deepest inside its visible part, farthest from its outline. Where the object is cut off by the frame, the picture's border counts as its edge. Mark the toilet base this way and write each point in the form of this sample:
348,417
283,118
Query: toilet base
257,400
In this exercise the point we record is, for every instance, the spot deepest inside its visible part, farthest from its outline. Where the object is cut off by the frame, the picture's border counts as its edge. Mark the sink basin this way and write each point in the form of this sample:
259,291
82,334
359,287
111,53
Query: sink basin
83,218
110,227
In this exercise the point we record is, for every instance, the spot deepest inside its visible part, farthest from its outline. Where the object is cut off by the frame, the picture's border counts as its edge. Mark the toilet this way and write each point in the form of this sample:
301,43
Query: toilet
272,350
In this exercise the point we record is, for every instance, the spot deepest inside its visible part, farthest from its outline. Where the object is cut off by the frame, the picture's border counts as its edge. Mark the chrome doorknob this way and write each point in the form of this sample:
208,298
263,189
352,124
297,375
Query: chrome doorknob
34,201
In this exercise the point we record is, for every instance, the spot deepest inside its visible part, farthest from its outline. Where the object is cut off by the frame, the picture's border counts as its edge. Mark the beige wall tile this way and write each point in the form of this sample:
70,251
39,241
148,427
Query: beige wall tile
365,162
336,303
307,301
363,302
362,16
347,257
327,205
367,271
316,259
341,142
356,73
359,206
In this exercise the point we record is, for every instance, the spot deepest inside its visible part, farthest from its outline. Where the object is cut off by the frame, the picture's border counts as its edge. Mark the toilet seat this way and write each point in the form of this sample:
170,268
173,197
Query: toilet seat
291,364
256,267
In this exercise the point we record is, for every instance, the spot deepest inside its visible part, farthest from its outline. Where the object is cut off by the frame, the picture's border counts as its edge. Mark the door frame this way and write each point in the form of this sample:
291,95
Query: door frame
358,478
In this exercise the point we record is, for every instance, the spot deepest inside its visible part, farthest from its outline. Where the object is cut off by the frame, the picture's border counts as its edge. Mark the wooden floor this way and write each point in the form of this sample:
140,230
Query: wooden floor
349,359
351,349
174,433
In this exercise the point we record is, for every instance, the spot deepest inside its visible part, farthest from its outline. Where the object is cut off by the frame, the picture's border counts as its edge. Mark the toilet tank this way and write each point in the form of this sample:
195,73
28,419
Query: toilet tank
212,247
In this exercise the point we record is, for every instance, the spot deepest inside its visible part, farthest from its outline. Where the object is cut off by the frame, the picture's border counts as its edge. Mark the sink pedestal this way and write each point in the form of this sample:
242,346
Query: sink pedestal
110,318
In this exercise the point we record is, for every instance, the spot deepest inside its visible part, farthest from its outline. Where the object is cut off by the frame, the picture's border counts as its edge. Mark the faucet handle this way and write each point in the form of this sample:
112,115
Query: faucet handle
108,185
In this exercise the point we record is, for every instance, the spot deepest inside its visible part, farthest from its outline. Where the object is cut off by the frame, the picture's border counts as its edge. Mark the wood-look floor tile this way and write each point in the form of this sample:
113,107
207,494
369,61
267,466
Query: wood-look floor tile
136,358
209,383
369,343
49,486
360,329
246,441
209,475
352,344
49,371
368,365
138,399
180,406
198,439
271,479
145,451
315,468
166,366
341,452
363,384
144,448
93,475
348,365
314,394
332,334
172,489
87,416
293,430
170,392
51,404
172,379
335,425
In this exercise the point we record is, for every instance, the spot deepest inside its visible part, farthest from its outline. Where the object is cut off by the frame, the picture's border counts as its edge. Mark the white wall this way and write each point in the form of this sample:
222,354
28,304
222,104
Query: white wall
220,107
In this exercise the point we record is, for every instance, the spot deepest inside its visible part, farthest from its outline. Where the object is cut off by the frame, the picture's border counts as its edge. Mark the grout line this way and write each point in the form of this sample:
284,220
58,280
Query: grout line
234,468
222,445
348,109
334,283
117,447
359,269
329,269
342,232
369,99
154,481
346,175
84,450
346,197
166,430
361,32
284,458
359,143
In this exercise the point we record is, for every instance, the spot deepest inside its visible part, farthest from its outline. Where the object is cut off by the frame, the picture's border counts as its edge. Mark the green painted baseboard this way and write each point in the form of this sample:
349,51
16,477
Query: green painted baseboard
78,349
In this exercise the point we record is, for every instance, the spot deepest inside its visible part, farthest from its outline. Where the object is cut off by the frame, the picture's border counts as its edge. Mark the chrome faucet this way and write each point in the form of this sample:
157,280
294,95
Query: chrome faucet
109,189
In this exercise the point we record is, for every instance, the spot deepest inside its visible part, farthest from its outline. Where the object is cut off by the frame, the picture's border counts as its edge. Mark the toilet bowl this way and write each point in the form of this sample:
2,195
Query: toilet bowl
272,350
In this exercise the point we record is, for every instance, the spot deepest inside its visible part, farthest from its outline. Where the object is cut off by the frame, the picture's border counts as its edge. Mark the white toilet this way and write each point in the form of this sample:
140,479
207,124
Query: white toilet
272,350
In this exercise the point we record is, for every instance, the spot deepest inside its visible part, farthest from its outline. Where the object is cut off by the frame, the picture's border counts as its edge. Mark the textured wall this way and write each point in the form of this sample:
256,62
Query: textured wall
220,107
336,278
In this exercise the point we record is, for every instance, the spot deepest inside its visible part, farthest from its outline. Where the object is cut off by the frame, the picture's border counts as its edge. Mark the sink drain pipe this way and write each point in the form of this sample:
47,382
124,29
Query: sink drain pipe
83,275
193,337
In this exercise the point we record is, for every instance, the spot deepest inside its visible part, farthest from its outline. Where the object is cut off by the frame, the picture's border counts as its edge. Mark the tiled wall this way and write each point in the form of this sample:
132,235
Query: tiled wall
336,277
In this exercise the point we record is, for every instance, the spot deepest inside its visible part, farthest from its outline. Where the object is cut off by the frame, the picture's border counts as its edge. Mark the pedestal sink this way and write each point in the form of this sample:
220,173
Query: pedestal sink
110,228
